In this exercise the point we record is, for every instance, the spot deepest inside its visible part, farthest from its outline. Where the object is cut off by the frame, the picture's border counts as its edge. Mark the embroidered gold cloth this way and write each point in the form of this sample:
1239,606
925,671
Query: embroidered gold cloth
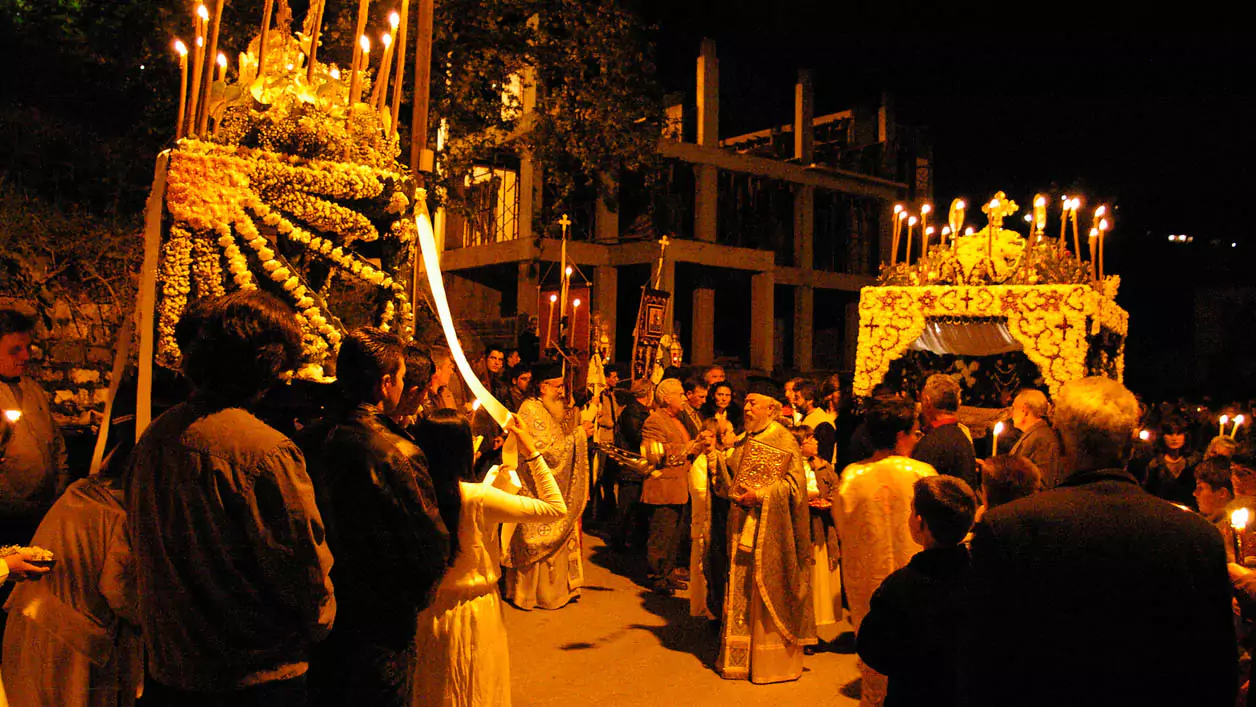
768,612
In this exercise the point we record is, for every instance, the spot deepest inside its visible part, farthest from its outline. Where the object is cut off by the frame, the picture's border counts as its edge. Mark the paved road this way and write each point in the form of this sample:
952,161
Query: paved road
621,644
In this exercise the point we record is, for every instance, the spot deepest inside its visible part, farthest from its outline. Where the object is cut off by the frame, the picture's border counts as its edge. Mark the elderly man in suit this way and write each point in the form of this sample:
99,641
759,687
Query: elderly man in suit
1039,442
1096,592
667,489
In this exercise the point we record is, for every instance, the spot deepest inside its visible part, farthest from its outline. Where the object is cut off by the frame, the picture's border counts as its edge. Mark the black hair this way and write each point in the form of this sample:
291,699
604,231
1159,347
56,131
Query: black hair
239,345
366,356
445,438
14,322
947,504
517,370
419,366
1216,473
692,384
806,389
886,418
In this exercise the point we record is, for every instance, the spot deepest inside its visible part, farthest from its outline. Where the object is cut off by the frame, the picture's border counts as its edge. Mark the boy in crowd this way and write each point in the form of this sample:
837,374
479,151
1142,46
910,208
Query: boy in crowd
911,631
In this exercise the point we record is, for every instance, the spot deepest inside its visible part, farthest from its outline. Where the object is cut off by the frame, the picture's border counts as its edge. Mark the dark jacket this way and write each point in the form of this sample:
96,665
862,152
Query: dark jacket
911,632
1041,445
671,485
383,525
629,426
230,558
1163,484
1096,593
948,450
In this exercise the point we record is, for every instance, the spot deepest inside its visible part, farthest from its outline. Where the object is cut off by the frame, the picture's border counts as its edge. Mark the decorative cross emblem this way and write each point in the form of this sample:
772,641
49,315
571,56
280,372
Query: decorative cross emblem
564,222
999,208
664,242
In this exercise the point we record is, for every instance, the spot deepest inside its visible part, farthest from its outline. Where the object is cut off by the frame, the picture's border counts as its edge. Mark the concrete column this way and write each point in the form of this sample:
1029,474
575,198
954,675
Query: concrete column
527,176
804,321
762,321
525,290
804,114
706,177
606,300
702,329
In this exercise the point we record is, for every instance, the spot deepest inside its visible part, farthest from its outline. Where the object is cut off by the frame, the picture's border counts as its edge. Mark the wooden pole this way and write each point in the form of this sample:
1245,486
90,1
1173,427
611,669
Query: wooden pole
422,85
318,26
261,41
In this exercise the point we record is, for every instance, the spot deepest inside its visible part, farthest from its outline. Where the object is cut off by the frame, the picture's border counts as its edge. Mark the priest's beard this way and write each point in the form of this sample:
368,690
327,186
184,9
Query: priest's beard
556,407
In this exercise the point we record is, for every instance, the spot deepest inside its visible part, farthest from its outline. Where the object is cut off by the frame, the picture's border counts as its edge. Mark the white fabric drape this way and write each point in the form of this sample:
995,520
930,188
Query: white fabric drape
972,338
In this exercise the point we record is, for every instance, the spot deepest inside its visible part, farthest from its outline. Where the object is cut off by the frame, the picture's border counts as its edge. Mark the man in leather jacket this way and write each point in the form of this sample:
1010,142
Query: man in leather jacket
384,528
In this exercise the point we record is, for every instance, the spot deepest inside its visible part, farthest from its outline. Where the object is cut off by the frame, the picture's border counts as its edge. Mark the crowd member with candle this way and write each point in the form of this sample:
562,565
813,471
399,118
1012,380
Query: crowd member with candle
872,511
461,655
945,446
33,470
228,540
383,525
1170,474
1096,593
826,581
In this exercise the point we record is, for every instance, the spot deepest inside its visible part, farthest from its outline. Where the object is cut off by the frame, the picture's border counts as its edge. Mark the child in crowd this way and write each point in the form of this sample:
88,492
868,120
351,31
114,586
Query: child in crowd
1006,478
911,631
826,583
700,517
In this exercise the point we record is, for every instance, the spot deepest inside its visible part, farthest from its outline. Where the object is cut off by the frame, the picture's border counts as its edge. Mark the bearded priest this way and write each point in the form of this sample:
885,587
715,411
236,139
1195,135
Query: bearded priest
768,613
544,567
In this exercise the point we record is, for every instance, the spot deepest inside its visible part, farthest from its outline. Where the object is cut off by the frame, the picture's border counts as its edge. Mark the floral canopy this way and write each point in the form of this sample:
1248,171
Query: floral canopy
1014,293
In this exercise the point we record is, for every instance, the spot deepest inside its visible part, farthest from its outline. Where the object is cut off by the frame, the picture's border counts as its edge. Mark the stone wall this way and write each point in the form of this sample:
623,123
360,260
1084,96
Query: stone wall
72,357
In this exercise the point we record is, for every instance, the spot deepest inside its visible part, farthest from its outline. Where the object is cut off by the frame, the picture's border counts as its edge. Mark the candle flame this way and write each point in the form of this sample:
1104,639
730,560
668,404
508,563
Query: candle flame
1238,420
1239,518
576,304
1225,419
1040,201
222,60
394,20
202,12
969,231
553,299
1029,218
386,40
1103,224
568,271
1099,212
946,230
180,47
926,209
475,404
1144,435
929,231
1094,233
898,208
911,221
902,215
12,415
200,42
960,204
335,74
365,42
998,428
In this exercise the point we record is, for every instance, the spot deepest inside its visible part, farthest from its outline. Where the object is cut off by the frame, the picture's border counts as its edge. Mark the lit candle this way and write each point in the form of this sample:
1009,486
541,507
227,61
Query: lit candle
991,228
1144,435
1077,243
924,247
267,12
182,50
1238,523
1064,204
379,96
1238,420
549,325
357,50
898,226
363,60
215,28
1225,420
911,225
222,67
946,231
969,231
1103,230
401,67
1094,253
13,415
925,210
994,445
201,21
575,310
955,218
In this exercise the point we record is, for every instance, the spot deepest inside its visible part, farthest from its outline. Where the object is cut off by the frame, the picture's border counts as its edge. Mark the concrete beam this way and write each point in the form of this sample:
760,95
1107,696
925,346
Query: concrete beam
492,254
821,279
804,327
823,177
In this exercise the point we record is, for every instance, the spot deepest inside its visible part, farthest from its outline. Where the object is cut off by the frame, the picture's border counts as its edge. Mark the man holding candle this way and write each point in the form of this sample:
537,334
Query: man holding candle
1095,592
33,470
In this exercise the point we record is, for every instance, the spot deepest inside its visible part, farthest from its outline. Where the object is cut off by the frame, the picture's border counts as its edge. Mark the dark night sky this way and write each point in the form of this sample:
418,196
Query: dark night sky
1149,111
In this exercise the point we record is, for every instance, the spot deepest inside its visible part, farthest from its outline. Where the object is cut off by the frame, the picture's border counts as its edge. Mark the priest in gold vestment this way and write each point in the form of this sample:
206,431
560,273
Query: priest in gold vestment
768,613
544,566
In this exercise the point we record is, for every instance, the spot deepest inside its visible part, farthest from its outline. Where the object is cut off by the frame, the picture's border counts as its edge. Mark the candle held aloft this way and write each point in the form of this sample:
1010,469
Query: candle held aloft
1238,420
994,444
12,415
1238,523
222,66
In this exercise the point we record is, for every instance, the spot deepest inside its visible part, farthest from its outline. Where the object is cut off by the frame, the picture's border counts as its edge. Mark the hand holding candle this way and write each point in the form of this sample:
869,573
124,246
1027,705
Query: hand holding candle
994,444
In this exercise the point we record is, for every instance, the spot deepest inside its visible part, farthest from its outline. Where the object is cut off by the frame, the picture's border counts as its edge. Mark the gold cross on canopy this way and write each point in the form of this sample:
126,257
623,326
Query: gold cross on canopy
999,208
564,222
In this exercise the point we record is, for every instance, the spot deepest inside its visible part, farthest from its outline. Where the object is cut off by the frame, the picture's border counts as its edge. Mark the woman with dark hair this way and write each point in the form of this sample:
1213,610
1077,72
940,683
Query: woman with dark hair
461,655
720,406
1171,473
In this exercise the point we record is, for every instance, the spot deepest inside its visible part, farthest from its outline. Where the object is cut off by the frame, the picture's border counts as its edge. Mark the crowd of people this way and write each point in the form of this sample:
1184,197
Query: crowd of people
362,553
